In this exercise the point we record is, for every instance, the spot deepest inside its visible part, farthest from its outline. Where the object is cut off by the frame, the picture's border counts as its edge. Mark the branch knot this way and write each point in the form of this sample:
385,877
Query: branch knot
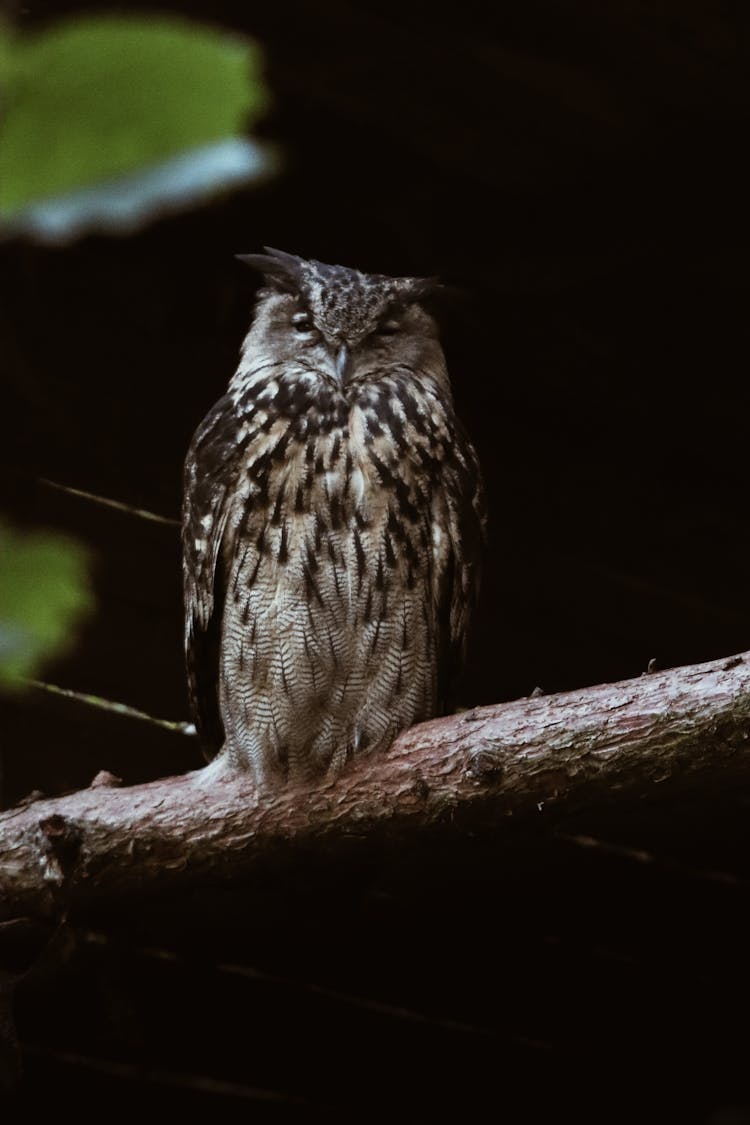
59,843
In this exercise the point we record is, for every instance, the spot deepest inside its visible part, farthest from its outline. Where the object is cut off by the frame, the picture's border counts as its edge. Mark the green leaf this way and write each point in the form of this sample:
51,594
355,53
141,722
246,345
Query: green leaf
44,595
94,98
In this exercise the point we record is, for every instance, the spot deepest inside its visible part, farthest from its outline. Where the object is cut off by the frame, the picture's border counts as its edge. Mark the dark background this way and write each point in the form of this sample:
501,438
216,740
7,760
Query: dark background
578,171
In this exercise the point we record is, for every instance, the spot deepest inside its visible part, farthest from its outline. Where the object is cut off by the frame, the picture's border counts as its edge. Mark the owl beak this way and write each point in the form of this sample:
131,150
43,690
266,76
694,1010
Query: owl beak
343,363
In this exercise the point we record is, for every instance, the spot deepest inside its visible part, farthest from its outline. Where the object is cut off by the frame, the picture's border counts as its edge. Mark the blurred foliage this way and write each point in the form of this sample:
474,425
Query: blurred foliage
93,99
106,121
44,595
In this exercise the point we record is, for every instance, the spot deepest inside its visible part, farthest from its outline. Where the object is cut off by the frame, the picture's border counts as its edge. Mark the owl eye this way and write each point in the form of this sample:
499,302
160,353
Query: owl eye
388,328
301,322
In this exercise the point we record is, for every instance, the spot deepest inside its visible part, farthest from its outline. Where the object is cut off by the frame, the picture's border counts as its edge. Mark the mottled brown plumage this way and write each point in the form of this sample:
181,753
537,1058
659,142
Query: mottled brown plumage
332,524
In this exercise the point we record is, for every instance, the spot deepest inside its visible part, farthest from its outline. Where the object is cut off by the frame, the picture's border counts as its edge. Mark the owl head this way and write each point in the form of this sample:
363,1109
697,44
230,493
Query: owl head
349,327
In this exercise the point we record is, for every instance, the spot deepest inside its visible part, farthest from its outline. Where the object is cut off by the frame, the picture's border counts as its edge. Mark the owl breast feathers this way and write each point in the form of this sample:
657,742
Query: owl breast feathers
332,526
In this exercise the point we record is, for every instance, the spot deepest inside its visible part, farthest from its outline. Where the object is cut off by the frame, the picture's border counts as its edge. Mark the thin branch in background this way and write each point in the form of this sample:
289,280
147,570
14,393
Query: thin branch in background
122,709
363,1003
105,502
665,863
136,1072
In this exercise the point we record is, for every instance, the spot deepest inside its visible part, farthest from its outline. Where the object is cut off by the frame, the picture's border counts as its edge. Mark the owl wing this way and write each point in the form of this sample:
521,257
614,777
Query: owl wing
462,560
211,470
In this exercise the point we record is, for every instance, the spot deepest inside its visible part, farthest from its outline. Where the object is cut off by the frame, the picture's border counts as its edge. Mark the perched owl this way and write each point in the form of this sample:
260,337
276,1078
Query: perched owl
332,525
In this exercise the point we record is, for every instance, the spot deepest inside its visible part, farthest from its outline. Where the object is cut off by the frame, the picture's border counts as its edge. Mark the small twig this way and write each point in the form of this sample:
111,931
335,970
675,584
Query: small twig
392,1011
364,1003
106,502
115,708
190,1081
640,855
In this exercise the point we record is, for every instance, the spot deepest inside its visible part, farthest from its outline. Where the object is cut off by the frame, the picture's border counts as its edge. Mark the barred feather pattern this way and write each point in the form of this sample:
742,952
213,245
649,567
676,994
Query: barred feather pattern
331,541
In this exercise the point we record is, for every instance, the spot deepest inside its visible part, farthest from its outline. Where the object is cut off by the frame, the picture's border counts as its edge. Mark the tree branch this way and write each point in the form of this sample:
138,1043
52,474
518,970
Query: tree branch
476,769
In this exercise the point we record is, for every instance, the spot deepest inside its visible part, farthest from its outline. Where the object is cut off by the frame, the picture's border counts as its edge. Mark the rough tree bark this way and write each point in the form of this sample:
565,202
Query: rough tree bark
478,768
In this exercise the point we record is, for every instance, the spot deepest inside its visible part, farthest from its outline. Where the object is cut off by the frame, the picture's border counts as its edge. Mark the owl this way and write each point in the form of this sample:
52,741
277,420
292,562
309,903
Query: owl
333,519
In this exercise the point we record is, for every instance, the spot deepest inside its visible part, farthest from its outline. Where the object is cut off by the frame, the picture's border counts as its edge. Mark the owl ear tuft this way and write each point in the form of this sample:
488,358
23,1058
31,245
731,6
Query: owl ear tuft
437,294
425,286
420,288
282,270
